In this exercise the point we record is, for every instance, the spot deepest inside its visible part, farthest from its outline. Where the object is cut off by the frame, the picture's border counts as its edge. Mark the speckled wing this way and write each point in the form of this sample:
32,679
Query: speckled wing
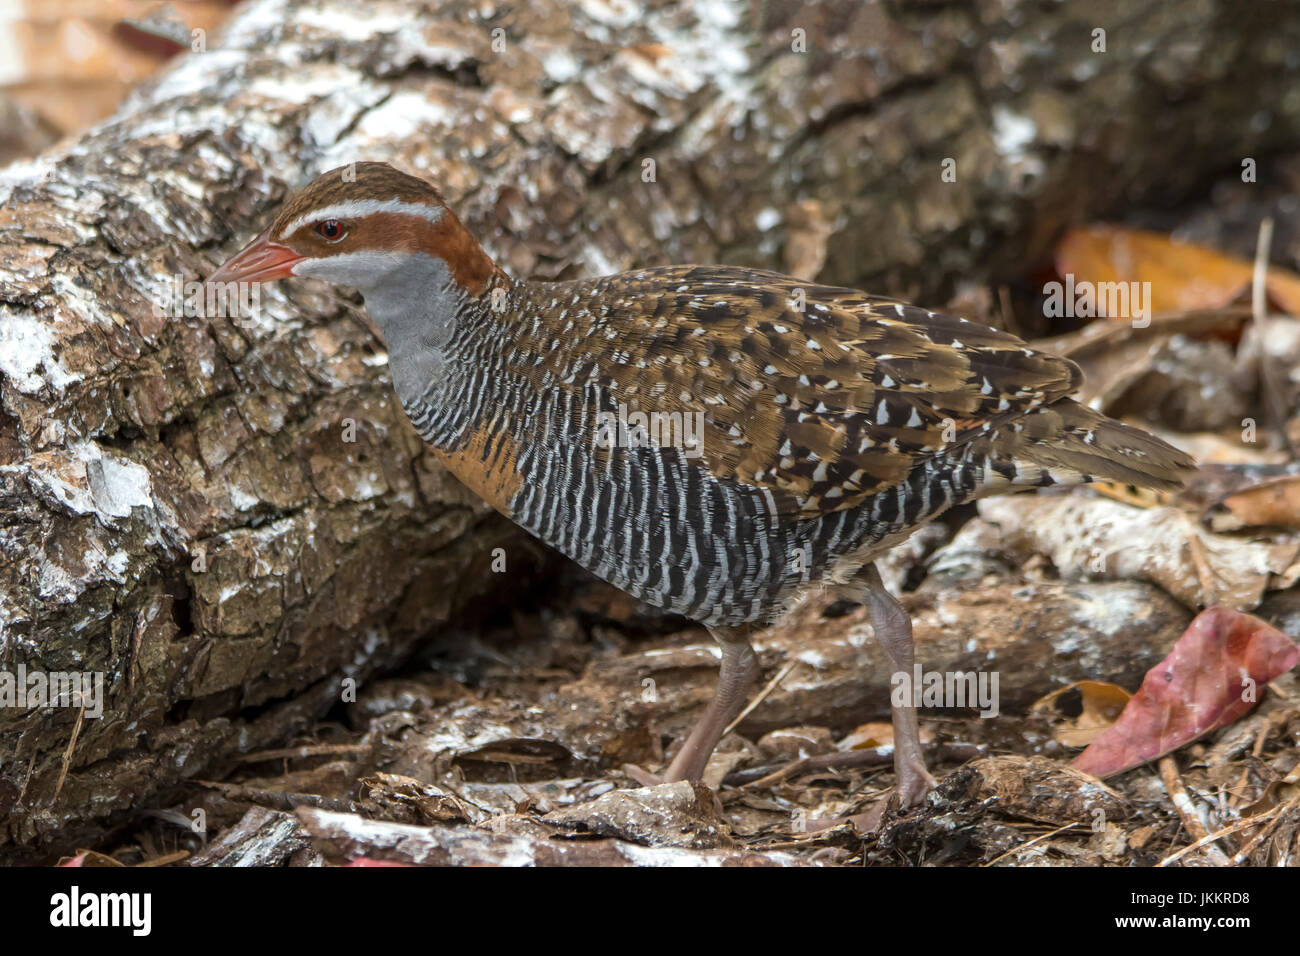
823,396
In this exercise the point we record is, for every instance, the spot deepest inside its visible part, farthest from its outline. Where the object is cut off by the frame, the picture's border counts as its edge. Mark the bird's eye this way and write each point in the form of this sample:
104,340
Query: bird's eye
331,230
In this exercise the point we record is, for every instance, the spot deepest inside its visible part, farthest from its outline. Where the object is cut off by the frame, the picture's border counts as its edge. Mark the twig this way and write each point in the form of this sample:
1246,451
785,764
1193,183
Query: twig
1205,574
1027,845
280,799
133,656
27,778
1226,831
166,859
1244,853
67,754
1259,277
847,760
1234,797
1272,386
1182,802
1004,304
307,750
762,695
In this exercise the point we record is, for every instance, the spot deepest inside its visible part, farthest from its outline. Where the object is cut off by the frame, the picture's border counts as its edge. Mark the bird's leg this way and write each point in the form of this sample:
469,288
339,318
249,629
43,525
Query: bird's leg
893,628
739,668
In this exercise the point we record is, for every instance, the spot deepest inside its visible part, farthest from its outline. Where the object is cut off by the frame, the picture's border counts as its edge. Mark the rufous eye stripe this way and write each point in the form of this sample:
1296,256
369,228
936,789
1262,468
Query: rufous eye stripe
362,207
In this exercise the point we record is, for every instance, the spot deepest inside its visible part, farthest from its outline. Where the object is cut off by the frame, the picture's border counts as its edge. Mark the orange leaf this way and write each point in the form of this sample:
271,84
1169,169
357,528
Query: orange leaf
1274,502
1183,276
1099,706
865,736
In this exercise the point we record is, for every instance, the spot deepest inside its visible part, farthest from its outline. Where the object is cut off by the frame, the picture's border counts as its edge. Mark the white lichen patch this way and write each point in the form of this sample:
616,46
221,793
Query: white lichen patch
1012,132
87,479
241,500
250,29
117,485
403,114
356,24
26,173
1114,610
558,62
613,13
101,565
719,42
27,359
193,75
75,305
55,583
305,84
813,658
333,114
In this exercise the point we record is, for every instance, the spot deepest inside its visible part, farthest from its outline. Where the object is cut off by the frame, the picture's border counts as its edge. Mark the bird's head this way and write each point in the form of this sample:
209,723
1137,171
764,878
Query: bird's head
365,225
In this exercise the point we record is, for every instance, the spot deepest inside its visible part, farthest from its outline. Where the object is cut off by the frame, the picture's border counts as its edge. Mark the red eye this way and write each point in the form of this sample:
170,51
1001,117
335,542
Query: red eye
331,230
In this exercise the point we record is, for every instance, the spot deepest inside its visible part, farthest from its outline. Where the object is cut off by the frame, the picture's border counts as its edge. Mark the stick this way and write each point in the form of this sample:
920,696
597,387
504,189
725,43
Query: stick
1210,838
762,695
1025,846
1182,802
1271,385
67,754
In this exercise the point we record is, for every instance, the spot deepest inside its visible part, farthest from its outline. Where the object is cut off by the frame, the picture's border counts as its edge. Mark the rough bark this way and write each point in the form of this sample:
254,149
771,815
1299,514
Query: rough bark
132,444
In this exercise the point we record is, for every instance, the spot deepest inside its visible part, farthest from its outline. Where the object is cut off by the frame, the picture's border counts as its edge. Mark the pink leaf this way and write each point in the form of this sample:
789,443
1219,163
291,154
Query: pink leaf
367,861
1212,677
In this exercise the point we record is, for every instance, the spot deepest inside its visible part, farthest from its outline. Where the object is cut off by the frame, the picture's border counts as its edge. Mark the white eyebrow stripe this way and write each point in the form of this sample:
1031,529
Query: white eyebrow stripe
363,207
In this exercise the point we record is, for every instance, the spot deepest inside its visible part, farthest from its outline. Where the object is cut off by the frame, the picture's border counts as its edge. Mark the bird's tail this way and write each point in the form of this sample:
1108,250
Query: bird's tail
1065,444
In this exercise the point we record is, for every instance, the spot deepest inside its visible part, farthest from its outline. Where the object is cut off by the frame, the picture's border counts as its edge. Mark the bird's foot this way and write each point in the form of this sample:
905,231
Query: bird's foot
914,781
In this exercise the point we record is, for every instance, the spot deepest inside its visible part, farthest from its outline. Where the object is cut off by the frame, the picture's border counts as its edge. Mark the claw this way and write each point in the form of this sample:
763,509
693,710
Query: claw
914,782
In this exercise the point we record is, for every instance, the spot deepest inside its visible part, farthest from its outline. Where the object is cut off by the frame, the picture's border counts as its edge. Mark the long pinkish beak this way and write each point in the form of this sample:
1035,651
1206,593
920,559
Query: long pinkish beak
260,261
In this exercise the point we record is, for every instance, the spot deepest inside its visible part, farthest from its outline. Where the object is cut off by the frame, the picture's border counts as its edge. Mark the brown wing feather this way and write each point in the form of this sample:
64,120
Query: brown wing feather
823,407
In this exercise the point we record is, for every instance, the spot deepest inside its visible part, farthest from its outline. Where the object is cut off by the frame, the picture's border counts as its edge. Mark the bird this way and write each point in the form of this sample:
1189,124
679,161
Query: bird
797,431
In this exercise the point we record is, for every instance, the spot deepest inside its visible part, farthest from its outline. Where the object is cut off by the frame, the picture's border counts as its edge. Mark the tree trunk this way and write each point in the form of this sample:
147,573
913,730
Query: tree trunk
183,508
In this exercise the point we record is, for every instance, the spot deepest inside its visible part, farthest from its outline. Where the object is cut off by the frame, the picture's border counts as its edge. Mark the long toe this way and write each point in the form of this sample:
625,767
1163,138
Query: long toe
914,782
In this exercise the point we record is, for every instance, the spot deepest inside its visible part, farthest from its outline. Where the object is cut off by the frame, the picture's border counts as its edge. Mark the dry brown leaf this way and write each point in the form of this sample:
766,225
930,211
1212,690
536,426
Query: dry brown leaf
1274,502
72,63
1210,450
1101,704
1183,275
